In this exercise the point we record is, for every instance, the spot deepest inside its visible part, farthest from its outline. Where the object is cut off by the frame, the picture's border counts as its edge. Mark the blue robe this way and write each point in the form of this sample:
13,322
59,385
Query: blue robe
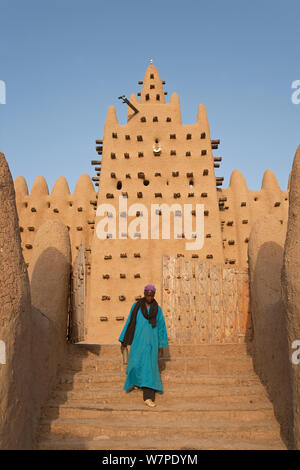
142,368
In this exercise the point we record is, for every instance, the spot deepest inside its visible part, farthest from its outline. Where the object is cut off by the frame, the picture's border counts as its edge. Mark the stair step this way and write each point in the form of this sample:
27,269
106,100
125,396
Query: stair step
193,412
109,351
205,388
111,427
83,380
187,366
160,444
170,395
212,399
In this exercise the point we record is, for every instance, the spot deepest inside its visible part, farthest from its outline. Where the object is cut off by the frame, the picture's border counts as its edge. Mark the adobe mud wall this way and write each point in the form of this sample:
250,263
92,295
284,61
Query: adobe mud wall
270,343
290,283
15,325
33,318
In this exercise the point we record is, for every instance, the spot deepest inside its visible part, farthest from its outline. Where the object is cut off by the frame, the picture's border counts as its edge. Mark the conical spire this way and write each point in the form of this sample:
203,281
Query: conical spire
270,181
84,186
21,187
111,117
61,187
202,119
39,187
152,91
238,182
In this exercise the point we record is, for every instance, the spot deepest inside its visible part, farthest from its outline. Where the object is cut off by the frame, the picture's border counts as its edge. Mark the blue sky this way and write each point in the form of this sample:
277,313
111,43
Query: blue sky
65,62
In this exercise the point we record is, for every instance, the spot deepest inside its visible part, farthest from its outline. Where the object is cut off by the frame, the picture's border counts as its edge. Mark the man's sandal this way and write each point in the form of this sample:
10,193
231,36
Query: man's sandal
150,403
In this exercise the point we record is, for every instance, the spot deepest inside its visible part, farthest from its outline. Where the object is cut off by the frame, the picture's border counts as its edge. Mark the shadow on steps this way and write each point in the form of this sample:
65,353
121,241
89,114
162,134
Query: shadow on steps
184,368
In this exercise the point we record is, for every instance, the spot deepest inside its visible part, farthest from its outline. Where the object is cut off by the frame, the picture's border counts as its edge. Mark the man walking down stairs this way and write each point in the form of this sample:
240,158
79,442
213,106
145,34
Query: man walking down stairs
212,400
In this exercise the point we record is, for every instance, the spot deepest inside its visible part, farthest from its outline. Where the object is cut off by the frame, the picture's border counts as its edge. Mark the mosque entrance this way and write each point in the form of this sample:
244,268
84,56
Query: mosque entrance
205,302
78,282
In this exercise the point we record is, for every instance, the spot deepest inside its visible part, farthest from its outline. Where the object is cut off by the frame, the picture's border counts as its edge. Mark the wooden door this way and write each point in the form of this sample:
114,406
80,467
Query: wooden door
205,302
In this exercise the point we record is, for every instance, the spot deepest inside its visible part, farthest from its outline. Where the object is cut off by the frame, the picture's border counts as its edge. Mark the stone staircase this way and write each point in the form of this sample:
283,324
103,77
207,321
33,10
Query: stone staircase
212,400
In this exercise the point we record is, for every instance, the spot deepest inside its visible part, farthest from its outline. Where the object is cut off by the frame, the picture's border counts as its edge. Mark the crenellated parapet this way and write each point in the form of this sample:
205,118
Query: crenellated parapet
241,207
76,211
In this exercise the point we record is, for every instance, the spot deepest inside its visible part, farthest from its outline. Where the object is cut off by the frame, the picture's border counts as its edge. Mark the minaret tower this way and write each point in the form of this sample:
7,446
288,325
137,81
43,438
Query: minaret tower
152,159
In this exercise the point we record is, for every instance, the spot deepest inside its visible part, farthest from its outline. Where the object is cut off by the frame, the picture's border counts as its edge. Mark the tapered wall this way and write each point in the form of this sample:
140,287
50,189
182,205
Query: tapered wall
290,286
16,430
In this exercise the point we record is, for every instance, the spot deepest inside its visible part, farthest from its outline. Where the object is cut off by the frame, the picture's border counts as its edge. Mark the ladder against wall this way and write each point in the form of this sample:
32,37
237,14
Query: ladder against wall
205,302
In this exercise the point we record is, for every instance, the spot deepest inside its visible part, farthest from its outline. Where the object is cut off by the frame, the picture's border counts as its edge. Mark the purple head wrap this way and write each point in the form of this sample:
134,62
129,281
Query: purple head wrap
150,287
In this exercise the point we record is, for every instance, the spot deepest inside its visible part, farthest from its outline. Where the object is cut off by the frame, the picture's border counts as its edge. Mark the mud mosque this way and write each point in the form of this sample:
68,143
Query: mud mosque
63,283
153,159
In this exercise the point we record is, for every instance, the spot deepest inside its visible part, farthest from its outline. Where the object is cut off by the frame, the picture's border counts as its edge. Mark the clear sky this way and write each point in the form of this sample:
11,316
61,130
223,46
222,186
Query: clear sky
64,62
